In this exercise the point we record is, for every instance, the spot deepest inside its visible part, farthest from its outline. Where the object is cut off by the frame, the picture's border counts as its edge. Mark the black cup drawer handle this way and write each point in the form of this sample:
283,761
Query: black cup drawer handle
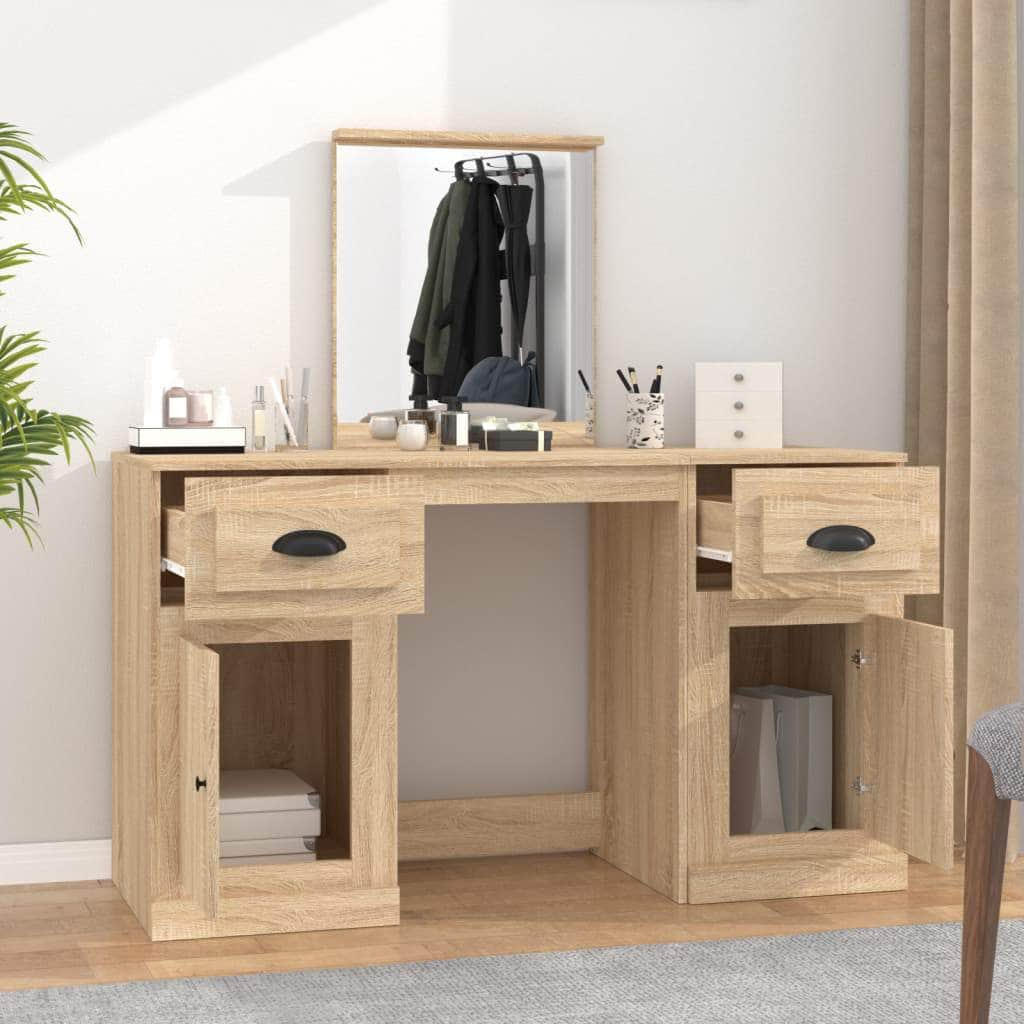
841,538
309,543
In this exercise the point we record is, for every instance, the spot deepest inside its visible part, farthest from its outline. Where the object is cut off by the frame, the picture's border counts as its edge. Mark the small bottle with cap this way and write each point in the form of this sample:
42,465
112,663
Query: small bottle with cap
454,425
259,421
420,413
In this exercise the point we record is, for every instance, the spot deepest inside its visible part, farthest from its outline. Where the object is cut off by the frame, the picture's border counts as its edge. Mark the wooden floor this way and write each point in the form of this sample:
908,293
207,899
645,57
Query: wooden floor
82,933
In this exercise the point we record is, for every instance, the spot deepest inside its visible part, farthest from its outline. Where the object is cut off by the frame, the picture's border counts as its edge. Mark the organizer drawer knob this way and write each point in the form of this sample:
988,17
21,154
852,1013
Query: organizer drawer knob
738,377
309,544
737,434
200,783
737,405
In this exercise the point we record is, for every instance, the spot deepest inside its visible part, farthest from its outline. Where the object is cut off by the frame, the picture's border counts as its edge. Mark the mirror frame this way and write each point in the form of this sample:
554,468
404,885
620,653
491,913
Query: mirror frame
439,140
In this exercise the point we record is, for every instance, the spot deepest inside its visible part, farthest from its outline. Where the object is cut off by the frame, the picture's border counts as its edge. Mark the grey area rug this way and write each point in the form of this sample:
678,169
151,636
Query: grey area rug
903,975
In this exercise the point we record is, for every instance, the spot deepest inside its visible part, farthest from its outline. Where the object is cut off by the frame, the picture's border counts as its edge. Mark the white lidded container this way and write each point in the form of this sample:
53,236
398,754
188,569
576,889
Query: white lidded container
267,803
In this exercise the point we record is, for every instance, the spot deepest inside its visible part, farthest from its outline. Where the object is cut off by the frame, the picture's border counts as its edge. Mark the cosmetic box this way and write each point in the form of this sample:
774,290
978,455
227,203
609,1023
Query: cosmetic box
738,405
803,739
182,440
268,803
511,440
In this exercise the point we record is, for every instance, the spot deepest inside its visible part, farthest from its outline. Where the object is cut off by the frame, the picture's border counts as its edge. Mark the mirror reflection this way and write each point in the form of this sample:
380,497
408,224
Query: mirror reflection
463,273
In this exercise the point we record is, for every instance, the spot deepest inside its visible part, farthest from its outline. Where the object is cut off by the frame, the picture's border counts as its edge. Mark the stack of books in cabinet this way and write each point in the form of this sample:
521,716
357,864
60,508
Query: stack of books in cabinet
267,816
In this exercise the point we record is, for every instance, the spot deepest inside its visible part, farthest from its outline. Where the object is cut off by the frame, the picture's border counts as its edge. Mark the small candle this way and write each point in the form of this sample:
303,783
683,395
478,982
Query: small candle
200,408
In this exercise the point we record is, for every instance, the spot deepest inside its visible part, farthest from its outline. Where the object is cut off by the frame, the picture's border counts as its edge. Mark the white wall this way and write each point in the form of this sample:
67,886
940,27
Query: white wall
751,204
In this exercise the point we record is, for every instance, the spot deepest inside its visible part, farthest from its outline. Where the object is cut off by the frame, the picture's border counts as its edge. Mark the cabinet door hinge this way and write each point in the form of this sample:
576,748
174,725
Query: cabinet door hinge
860,658
860,787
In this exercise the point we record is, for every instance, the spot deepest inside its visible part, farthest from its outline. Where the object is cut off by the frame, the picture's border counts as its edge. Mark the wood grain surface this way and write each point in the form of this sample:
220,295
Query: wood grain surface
489,826
777,510
907,726
370,456
83,933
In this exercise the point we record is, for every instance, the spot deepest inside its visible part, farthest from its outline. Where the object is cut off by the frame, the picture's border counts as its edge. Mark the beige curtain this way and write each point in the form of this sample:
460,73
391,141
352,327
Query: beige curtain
963,334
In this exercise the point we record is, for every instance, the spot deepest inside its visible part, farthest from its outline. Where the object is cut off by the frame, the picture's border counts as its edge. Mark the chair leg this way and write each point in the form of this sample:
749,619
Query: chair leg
988,820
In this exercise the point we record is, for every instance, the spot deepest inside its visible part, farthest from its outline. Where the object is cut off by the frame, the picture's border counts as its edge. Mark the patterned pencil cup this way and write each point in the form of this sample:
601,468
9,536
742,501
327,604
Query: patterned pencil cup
588,416
645,421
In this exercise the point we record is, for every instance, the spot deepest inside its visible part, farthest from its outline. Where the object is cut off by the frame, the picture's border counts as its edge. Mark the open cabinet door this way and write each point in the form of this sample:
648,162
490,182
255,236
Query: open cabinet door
907,736
200,771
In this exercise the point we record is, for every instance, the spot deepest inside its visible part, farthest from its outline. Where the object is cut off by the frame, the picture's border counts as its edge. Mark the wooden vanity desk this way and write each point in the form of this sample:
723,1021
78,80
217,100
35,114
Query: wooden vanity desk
252,659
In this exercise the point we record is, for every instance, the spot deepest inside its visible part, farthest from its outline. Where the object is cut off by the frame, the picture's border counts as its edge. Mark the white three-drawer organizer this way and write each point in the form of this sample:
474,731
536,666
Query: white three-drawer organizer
738,405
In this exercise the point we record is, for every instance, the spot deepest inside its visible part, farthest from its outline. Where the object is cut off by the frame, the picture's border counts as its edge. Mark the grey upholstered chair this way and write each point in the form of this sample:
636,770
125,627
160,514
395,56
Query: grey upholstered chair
995,777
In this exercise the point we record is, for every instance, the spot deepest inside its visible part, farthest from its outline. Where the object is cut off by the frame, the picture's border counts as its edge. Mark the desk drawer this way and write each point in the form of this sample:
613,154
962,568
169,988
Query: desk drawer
777,527
738,376
245,545
749,433
737,406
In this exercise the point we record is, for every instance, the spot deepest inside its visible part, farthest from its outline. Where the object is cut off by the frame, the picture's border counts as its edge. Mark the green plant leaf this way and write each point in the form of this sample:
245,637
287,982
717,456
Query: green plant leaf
24,521
30,438
15,152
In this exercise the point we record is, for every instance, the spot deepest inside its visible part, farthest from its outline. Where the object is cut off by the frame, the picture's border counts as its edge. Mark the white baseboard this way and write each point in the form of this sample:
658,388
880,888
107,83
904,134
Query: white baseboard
76,861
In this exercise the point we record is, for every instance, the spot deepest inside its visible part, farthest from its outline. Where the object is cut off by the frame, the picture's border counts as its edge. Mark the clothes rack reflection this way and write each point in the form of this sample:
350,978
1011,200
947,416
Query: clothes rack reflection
522,260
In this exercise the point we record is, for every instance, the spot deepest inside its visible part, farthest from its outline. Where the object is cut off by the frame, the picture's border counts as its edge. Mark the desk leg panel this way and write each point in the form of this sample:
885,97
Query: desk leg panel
635,694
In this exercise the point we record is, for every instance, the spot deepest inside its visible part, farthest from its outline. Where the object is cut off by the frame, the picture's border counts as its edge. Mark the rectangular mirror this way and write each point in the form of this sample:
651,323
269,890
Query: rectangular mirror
455,252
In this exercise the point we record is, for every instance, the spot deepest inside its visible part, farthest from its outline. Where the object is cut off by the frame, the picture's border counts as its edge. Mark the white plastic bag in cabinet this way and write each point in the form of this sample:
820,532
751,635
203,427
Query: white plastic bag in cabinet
803,734
755,800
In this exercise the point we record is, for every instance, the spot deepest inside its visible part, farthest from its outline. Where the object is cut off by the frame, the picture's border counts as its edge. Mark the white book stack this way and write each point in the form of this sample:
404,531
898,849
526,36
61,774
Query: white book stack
267,816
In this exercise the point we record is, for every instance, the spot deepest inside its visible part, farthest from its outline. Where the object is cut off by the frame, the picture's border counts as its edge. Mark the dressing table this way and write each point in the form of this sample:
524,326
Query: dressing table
246,657
301,657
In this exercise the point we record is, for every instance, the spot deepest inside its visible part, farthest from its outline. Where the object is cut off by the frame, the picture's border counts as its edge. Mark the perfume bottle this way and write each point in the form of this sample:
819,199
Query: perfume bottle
454,425
419,413
259,421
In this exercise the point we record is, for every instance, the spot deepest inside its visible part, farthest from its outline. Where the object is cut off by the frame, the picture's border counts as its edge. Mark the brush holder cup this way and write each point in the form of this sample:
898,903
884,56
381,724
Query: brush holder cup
588,417
645,421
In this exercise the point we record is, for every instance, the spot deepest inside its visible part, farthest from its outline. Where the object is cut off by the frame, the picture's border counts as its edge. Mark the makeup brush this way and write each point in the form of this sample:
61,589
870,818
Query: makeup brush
632,379
656,383
625,383
583,381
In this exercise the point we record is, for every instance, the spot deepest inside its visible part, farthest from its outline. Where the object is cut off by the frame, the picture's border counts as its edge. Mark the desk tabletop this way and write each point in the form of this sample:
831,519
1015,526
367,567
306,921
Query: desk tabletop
357,451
